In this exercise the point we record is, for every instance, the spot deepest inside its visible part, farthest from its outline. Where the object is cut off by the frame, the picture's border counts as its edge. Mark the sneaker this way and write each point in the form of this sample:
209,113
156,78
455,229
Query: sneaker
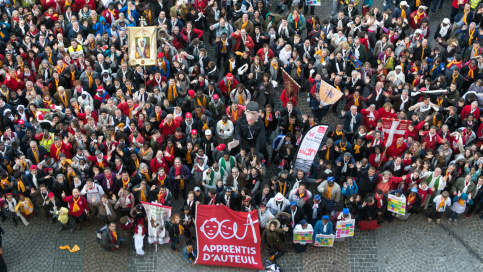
438,221
429,220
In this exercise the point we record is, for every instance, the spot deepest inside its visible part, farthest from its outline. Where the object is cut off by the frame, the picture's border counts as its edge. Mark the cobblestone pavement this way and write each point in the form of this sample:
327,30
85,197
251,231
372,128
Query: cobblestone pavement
413,245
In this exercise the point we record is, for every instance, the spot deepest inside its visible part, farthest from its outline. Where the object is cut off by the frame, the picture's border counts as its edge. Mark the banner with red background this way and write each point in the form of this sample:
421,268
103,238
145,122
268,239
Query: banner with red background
227,238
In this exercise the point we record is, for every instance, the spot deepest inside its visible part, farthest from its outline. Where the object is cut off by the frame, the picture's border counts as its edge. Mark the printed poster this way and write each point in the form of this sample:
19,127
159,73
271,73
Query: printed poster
329,94
227,238
302,236
345,228
309,146
322,240
157,214
291,86
396,204
143,46
312,2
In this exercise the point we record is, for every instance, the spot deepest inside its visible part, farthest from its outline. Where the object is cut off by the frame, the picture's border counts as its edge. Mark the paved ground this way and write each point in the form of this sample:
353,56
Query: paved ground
414,245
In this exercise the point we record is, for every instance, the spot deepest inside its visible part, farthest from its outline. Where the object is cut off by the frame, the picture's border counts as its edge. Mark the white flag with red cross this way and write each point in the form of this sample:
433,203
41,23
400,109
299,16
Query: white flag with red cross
393,129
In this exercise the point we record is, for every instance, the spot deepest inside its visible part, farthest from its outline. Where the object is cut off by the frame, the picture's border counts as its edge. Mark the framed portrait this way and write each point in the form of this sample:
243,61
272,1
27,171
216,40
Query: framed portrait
142,46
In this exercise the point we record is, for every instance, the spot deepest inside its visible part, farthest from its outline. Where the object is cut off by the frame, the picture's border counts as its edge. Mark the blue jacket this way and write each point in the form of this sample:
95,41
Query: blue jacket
5,35
279,142
155,69
350,190
100,28
319,229
134,13
347,123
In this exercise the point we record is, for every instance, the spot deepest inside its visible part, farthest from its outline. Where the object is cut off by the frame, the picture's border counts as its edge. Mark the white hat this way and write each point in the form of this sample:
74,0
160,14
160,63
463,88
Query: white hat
399,67
404,3
279,197
208,132
446,21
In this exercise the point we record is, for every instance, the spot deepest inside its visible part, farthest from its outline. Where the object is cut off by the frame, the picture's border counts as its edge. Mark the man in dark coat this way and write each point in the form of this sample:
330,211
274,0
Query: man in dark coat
250,130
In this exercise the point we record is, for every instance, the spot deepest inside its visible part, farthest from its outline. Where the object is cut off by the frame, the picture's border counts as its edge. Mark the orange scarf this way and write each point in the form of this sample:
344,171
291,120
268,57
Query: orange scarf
172,93
454,62
244,25
441,204
35,155
90,79
328,194
4,182
471,36
20,186
142,196
125,183
146,175
75,206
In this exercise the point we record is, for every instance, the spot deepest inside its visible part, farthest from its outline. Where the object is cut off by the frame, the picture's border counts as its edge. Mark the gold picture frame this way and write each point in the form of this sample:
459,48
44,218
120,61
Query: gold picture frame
142,46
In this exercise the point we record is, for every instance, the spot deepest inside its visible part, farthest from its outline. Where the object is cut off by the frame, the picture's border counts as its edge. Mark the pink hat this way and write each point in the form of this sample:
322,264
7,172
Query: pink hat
51,194
191,93
229,76
52,106
215,96
33,167
21,122
188,115
221,147
100,89
194,131
160,56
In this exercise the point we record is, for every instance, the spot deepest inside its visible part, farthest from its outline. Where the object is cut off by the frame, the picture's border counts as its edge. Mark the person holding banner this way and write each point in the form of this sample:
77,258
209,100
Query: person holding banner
175,230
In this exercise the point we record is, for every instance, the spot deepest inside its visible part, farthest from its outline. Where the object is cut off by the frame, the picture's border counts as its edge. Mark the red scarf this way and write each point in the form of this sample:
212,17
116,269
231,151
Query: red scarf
379,201
161,198
304,197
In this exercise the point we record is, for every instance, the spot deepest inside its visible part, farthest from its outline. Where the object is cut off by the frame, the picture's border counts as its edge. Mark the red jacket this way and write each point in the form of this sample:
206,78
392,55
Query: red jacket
167,129
155,165
64,148
372,160
248,43
384,114
285,99
262,55
467,110
82,203
125,108
197,32
370,124
431,143
224,86
83,117
415,132
395,151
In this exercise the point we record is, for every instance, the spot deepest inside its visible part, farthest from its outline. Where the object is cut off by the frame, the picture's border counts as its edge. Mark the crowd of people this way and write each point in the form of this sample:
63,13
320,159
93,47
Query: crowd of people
85,136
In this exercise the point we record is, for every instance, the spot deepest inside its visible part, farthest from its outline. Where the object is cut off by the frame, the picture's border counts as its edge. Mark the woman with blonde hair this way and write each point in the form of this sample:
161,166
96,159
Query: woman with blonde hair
175,230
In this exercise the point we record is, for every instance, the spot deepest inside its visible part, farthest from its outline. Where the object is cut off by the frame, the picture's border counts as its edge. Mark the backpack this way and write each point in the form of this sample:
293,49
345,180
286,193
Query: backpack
99,233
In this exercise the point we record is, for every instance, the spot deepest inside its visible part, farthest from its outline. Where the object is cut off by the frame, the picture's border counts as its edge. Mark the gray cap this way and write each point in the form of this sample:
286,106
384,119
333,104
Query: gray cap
252,106
197,189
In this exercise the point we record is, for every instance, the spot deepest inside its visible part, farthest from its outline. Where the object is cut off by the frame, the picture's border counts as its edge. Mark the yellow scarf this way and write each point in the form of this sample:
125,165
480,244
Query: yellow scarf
5,182
241,101
454,62
114,235
230,68
29,206
328,193
142,196
403,13
143,153
266,120
188,157
422,53
35,155
148,13
172,93
461,202
418,15
410,200
343,148
441,204
163,66
464,17
59,149
290,127
235,115
298,71
90,79
275,67
418,3
244,25
454,77
223,50
130,112
72,75
471,36
75,206
201,103
357,149
136,163
432,69
50,59
20,186
356,101
63,98
327,154
205,126
319,52
9,169
125,183
158,116
470,73
146,175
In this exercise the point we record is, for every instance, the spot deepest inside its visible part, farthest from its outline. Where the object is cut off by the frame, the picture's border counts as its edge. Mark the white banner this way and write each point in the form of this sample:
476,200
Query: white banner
309,147
157,214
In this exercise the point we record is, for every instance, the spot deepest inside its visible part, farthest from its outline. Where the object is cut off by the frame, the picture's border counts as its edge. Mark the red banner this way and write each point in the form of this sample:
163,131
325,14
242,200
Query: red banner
227,238
291,86
393,129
